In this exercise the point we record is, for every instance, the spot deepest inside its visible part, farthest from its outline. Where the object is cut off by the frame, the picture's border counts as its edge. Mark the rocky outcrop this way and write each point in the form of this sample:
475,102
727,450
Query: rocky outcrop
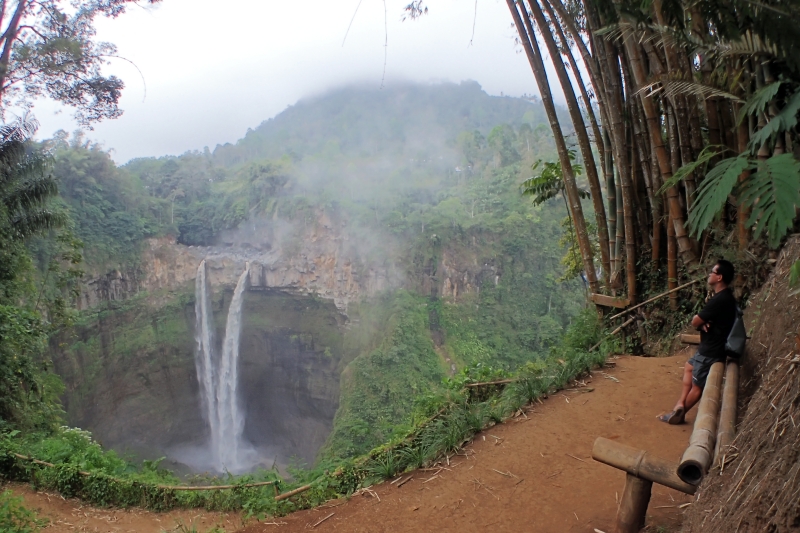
323,258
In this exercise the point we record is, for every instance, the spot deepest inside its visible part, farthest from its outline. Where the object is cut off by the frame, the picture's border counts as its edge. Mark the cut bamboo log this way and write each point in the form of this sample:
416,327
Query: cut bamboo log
697,457
633,507
609,301
639,463
727,416
690,338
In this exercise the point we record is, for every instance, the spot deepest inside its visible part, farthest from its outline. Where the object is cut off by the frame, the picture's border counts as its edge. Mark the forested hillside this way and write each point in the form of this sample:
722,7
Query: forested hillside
424,177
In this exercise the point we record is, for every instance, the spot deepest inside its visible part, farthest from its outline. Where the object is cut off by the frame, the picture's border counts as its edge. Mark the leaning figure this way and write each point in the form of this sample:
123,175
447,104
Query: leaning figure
714,323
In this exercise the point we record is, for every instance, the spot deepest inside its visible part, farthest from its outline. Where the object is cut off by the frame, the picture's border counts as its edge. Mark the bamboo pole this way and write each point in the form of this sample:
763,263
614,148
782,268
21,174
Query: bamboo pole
672,264
639,463
633,507
292,493
631,319
653,299
727,417
486,383
697,457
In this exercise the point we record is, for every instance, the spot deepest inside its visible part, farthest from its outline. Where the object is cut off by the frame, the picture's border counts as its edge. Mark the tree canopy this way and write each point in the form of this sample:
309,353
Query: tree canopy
49,49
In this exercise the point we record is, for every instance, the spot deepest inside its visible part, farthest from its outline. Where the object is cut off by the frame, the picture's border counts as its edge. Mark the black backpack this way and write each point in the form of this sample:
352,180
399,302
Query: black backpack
734,346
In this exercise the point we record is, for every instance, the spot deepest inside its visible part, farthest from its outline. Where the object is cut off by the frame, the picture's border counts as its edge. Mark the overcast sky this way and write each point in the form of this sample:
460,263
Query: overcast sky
213,69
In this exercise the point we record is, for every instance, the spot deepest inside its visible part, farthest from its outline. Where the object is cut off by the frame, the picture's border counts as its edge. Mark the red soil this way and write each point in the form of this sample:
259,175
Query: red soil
72,515
535,473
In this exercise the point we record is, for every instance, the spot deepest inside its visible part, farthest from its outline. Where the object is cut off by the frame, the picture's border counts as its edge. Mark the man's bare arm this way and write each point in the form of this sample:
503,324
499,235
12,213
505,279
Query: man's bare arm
699,323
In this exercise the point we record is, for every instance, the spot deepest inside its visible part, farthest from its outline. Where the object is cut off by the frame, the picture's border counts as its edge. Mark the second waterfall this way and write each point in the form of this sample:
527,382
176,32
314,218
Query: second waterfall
219,375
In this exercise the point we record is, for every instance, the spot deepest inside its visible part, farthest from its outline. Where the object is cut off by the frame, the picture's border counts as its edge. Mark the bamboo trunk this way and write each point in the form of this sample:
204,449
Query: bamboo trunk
632,509
672,264
685,245
531,46
611,191
579,126
727,417
639,463
697,457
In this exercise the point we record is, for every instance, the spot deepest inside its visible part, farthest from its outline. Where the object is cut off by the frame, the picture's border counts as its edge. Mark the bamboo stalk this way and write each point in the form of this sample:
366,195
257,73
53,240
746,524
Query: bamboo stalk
633,507
485,383
727,417
531,46
639,463
578,123
697,457
653,299
672,264
291,493
627,322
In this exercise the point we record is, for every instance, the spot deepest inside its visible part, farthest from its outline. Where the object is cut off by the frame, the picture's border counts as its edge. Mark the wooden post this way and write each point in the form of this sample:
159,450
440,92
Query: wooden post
632,509
727,416
697,457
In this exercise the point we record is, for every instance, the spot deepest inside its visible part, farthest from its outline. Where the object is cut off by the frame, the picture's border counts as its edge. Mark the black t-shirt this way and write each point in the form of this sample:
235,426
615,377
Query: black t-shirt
720,313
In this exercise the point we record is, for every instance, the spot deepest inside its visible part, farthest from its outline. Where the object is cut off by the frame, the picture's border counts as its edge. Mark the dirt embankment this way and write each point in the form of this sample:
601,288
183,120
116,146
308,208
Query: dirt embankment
759,487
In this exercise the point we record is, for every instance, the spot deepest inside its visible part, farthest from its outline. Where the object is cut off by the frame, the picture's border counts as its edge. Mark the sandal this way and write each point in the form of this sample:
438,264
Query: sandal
673,418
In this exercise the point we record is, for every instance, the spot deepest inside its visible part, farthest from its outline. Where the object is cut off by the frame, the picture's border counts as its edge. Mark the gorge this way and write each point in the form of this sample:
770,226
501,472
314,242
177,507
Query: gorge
315,284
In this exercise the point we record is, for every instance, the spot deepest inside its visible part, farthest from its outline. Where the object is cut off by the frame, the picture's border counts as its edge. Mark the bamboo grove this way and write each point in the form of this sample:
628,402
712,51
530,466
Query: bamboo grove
685,117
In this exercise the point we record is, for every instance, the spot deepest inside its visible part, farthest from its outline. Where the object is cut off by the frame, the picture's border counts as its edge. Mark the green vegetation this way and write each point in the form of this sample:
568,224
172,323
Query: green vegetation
434,192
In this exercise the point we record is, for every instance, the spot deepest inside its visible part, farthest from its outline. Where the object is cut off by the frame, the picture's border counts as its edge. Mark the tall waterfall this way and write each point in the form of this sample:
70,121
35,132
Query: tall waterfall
219,376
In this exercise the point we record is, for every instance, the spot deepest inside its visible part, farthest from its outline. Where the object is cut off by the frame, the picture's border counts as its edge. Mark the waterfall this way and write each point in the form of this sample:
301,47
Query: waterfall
231,421
219,376
204,356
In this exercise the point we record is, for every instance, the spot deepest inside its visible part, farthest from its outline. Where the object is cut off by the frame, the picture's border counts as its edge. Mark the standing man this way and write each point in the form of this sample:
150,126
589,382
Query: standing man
714,323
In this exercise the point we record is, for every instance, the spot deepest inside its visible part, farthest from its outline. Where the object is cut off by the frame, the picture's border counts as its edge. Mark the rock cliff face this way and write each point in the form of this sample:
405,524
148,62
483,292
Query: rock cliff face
320,257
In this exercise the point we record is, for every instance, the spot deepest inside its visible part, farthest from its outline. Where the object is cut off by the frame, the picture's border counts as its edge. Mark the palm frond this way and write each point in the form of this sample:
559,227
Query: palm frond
713,192
750,44
785,120
34,221
672,88
773,193
708,153
756,103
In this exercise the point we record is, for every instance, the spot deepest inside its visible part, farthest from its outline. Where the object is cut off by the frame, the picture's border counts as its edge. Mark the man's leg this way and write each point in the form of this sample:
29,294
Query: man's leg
693,397
687,386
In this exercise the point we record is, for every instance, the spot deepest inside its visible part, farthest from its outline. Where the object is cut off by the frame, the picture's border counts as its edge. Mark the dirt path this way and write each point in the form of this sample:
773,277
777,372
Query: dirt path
72,515
533,474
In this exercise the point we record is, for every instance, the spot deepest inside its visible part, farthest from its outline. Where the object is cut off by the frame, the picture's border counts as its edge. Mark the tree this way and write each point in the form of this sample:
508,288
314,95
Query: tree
48,49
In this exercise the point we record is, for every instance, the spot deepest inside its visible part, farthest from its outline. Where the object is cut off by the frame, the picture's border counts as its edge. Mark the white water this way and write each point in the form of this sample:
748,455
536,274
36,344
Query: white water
219,376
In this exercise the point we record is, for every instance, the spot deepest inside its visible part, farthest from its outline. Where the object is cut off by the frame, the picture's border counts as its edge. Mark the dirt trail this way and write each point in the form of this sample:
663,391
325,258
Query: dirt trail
532,474
72,515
